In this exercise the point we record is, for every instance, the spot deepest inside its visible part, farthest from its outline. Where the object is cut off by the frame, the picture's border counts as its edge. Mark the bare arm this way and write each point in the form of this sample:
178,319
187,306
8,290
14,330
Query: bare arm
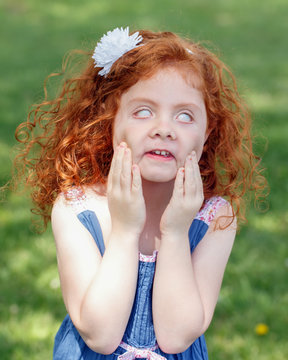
99,292
186,288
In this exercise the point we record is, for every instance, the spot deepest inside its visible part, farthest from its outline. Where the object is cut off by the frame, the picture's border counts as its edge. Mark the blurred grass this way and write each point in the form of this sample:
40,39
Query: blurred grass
251,35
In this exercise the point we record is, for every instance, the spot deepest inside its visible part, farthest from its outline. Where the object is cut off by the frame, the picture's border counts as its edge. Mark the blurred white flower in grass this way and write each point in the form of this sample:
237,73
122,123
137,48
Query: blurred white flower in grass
55,284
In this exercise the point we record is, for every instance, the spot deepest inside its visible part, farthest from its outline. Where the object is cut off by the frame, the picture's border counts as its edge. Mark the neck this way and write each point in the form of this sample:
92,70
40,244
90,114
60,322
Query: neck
157,196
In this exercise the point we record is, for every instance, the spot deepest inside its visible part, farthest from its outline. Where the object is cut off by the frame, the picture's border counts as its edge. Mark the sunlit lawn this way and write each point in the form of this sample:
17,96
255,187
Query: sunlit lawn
251,36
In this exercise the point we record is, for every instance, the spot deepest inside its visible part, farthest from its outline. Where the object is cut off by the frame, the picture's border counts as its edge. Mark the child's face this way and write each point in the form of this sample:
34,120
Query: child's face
162,119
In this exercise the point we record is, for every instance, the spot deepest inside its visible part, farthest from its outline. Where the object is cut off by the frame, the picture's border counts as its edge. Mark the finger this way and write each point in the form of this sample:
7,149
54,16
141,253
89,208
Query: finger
197,174
116,167
136,187
126,172
190,180
178,191
109,180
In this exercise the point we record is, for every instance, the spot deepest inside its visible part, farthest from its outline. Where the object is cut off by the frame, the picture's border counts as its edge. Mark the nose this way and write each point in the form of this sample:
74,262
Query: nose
163,130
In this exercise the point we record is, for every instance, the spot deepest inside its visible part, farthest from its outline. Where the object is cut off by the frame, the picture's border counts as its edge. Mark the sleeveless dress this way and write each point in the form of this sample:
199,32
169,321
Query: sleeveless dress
139,339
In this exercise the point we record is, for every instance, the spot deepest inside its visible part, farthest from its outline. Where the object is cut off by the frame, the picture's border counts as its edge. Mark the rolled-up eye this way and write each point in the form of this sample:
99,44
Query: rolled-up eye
143,113
185,117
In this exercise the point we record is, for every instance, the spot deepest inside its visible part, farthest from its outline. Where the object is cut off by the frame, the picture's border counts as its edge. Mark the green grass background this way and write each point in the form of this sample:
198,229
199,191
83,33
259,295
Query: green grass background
252,38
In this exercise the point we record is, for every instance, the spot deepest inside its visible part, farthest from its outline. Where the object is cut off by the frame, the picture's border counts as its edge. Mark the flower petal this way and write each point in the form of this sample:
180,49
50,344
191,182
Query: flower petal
112,46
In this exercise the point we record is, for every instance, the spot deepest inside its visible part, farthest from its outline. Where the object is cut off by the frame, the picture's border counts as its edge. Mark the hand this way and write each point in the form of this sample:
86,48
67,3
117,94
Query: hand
186,200
124,192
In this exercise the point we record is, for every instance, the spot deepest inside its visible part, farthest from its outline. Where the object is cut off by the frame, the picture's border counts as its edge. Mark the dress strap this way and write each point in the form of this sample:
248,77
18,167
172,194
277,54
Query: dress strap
89,219
80,204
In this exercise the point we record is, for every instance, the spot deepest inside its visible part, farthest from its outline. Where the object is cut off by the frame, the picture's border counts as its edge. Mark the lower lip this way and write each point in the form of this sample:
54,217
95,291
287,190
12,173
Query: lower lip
159,157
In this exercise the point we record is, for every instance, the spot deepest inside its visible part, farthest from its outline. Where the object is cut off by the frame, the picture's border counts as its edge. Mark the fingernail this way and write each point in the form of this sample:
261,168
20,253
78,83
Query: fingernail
122,144
126,151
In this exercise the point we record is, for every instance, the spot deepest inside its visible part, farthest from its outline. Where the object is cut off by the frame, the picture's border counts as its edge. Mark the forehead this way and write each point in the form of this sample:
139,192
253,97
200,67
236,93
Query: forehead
172,82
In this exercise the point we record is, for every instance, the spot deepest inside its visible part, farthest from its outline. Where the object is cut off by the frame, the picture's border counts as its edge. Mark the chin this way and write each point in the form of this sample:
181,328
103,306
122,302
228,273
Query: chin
158,178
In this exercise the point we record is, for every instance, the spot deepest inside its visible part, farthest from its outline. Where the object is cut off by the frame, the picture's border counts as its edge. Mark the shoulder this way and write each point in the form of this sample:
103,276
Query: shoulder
219,237
210,208
77,200
217,212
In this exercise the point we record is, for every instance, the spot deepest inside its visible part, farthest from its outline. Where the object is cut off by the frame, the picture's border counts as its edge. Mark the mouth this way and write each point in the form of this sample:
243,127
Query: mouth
160,154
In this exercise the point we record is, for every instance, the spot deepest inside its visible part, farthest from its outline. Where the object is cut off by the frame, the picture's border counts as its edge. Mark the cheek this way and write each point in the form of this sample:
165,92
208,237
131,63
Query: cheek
118,134
117,139
196,143
123,134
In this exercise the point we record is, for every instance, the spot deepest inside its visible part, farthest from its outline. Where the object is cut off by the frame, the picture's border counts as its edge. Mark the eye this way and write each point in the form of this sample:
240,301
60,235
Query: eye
142,113
185,117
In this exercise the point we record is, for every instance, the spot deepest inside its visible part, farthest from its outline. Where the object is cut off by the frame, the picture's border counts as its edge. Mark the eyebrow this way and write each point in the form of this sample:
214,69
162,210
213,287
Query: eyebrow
154,103
141,100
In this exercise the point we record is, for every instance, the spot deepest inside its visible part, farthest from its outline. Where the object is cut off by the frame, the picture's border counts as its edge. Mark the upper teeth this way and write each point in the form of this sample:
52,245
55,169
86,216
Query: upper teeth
161,152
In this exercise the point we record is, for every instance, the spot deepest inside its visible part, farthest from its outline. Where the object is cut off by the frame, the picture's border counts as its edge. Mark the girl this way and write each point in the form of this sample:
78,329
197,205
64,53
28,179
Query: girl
136,156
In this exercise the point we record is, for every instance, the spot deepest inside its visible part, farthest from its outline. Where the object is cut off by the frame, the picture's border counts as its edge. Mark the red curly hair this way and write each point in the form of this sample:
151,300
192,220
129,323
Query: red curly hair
68,140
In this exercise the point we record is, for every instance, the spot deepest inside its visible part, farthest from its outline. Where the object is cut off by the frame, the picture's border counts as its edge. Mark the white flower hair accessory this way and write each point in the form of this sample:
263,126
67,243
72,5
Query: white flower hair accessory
112,46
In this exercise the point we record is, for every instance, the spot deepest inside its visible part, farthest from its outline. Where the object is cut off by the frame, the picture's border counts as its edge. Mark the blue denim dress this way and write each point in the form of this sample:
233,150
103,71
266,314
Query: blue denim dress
139,339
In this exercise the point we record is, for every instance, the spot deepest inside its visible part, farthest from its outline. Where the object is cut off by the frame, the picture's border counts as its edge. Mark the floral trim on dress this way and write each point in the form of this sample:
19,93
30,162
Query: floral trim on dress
137,353
211,206
77,199
148,258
